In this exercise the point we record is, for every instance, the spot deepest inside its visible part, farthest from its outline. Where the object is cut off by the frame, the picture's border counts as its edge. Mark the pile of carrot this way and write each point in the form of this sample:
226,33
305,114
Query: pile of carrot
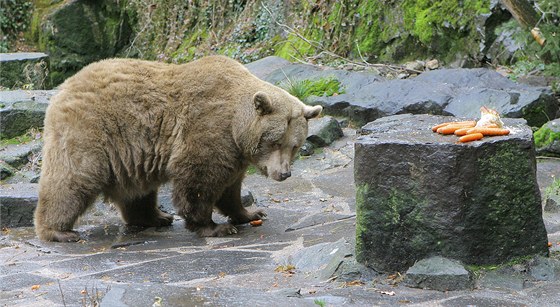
467,130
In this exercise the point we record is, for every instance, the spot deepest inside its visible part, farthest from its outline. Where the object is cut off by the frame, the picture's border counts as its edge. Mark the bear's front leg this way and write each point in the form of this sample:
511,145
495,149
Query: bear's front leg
230,205
196,208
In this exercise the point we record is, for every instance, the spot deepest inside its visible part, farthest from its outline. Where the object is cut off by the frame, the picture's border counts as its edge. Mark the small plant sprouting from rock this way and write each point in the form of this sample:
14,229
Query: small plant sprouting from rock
302,89
320,303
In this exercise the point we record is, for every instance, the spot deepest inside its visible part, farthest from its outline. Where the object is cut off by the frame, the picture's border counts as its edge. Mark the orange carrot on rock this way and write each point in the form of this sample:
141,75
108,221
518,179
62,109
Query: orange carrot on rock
489,131
450,129
467,123
462,131
471,137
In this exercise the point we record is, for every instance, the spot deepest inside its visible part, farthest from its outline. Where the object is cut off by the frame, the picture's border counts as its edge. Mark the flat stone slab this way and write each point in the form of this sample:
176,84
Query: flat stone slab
420,194
17,204
22,110
438,273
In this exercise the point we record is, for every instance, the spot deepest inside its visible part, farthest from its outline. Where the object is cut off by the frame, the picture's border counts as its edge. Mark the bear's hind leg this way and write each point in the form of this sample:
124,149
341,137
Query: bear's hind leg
58,208
143,211
230,205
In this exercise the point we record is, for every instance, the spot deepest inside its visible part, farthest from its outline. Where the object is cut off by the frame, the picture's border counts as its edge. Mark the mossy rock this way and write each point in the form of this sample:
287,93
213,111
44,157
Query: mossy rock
76,33
421,194
547,139
25,70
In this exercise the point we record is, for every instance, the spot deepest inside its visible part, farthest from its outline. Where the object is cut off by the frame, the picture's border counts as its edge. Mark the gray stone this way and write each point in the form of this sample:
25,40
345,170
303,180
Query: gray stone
497,279
420,193
473,88
22,110
247,198
27,70
414,65
547,139
6,170
321,260
17,155
458,92
545,269
318,219
552,205
438,273
264,67
17,203
432,64
323,131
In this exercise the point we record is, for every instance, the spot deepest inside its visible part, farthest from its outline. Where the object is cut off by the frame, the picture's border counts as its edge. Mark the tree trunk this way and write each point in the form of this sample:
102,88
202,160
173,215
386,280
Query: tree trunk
522,11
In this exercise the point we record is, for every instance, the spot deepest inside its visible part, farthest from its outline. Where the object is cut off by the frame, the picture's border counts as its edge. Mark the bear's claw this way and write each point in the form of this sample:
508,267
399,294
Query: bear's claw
65,236
219,230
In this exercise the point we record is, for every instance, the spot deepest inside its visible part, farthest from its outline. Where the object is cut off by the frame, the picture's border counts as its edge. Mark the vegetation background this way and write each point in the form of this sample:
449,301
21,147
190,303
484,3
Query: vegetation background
459,33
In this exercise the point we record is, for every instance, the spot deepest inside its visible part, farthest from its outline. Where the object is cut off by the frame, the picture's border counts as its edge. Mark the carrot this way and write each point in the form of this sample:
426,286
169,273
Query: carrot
256,223
462,131
450,129
468,122
489,131
471,137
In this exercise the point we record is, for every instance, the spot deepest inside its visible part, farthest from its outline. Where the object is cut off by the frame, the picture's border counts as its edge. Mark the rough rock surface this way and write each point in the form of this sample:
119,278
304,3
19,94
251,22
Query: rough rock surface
438,273
420,194
22,110
17,203
547,139
457,92
116,265
322,132
25,69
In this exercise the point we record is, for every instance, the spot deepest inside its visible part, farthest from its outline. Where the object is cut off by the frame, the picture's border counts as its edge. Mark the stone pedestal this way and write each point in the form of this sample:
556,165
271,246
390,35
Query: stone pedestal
422,194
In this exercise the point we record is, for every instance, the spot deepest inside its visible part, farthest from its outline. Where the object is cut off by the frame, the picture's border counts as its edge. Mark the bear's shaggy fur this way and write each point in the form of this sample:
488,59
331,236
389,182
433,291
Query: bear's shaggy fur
123,127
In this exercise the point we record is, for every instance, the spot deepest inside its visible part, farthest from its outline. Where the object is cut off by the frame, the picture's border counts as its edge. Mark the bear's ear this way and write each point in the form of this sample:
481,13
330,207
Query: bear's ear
311,112
262,102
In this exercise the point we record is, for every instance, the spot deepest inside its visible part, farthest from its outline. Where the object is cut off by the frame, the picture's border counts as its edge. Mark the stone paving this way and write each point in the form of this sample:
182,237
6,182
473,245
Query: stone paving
301,256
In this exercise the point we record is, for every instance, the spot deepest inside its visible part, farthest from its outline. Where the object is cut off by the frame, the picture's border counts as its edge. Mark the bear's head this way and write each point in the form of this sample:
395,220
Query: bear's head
276,132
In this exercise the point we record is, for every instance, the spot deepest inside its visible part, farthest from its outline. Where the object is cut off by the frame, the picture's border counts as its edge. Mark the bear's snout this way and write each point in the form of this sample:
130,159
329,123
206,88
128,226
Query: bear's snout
284,176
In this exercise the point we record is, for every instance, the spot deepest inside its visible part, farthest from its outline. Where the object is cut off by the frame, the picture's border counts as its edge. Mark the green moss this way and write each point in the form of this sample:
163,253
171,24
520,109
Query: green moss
545,136
505,191
22,139
251,170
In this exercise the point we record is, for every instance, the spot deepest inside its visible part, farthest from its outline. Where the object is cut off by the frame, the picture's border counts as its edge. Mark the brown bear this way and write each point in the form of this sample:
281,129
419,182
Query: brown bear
123,127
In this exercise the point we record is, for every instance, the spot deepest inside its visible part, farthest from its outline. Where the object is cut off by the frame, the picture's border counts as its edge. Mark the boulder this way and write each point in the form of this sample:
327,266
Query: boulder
76,33
457,92
29,70
322,132
547,139
264,67
421,194
473,88
17,204
438,273
22,110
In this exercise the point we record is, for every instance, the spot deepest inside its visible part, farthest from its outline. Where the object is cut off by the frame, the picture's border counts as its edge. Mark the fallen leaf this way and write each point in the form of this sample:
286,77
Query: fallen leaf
35,287
284,268
83,292
354,283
